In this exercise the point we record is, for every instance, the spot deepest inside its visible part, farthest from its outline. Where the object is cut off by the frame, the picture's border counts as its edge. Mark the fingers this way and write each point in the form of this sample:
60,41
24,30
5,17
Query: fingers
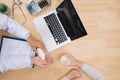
36,43
41,45
49,60
43,63
42,66
37,61
44,49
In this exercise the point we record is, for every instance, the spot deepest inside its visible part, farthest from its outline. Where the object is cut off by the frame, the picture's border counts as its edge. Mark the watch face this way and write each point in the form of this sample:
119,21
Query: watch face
42,3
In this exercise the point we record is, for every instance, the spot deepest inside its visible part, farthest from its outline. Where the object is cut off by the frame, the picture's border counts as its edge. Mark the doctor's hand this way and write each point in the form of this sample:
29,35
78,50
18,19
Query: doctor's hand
36,44
40,63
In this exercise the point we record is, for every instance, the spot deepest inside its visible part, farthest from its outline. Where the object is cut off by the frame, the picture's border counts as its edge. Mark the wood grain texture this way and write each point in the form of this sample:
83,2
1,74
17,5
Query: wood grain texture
100,48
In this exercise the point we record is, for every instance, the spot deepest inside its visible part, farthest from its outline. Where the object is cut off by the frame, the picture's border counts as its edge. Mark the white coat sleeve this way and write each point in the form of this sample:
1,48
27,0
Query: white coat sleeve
14,63
13,27
93,73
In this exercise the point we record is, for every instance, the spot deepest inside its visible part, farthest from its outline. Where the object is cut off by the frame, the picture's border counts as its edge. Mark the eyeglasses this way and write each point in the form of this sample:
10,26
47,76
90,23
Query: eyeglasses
18,3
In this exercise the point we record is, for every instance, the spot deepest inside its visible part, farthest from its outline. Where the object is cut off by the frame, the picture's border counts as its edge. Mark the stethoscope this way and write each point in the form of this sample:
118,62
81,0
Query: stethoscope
18,3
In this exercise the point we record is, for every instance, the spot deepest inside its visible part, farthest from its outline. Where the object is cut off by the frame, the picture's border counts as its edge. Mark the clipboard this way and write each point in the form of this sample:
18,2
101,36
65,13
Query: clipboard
11,46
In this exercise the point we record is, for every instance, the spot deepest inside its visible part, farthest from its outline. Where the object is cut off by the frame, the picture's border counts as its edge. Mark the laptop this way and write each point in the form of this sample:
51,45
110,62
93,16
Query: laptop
59,27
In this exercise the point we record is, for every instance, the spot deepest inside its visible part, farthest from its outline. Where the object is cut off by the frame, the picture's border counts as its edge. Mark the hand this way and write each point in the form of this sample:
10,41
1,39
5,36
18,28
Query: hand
75,62
36,43
47,61
39,62
73,74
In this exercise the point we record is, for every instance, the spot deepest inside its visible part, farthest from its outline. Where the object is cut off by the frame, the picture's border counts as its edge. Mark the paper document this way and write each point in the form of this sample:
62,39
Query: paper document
15,47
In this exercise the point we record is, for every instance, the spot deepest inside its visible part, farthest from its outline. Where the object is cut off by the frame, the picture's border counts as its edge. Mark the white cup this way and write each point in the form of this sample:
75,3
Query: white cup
65,59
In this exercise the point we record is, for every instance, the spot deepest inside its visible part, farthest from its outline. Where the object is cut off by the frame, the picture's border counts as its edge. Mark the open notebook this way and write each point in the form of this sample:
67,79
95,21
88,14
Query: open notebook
15,47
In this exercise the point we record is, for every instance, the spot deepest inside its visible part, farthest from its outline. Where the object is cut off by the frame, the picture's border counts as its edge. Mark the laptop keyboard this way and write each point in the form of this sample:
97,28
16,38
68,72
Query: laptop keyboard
55,28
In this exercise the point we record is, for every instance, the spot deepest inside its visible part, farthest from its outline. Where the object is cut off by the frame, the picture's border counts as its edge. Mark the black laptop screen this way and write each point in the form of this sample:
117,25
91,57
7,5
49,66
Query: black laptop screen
70,20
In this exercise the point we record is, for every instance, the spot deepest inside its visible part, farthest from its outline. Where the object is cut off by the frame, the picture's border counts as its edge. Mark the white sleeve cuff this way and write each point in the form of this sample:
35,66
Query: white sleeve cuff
26,36
28,63
93,72
64,78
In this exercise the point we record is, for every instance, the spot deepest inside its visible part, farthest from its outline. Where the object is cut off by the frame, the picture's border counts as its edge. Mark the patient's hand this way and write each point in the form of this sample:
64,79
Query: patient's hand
75,62
36,44
73,74
39,62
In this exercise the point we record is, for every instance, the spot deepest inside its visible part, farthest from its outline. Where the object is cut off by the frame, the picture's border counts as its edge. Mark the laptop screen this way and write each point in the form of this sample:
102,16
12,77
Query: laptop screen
70,20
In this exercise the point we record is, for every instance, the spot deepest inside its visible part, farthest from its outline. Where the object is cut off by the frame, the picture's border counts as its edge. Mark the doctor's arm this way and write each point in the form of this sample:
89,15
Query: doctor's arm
13,27
20,62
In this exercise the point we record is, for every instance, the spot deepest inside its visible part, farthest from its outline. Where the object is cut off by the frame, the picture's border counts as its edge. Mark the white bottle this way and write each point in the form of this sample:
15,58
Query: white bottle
41,54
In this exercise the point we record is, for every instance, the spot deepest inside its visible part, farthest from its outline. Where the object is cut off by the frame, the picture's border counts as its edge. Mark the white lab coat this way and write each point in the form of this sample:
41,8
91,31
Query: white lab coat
14,62
13,27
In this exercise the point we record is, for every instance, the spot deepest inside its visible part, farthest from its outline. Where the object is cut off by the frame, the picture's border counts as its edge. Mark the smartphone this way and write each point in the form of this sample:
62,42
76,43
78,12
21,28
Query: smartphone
35,6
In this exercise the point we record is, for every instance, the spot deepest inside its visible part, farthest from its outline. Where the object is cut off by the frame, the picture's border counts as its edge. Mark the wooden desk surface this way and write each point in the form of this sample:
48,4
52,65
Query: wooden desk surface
100,48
